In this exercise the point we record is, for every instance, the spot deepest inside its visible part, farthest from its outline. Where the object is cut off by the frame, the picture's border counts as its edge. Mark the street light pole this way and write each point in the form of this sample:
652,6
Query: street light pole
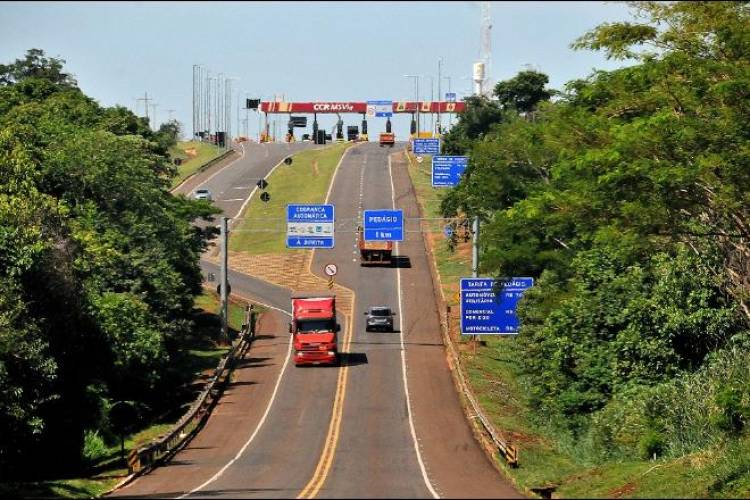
440,95
416,97
450,115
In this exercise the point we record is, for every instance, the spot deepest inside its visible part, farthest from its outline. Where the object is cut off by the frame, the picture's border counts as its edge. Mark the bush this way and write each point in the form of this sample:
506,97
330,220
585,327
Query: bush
94,446
651,444
730,415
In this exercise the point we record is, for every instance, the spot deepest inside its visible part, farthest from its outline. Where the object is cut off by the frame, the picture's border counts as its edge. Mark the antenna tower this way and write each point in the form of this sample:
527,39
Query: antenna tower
485,46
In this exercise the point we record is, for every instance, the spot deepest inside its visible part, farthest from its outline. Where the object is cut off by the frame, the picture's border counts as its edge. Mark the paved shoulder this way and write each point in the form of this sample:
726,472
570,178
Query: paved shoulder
458,468
237,414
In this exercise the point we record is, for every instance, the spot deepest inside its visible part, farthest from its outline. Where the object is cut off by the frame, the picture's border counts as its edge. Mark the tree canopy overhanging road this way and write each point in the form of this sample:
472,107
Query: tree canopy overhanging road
623,194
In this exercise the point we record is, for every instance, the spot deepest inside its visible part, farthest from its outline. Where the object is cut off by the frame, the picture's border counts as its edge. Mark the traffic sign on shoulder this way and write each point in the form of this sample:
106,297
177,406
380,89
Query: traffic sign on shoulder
448,231
447,170
383,225
426,146
331,269
309,226
262,184
488,306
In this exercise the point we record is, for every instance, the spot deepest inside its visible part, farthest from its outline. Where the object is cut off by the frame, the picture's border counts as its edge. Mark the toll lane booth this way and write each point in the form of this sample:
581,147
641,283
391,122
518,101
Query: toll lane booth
365,108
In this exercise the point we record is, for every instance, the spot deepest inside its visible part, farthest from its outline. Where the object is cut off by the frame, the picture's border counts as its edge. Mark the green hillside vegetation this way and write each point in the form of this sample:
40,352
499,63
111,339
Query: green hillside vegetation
626,195
98,271
204,152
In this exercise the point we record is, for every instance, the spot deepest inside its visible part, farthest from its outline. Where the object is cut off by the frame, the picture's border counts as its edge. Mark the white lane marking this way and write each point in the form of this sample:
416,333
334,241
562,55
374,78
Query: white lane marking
233,199
241,187
403,356
250,197
257,428
242,145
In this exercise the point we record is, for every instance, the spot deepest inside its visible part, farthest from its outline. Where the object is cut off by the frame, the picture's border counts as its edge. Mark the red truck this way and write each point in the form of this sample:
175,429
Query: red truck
314,329
374,252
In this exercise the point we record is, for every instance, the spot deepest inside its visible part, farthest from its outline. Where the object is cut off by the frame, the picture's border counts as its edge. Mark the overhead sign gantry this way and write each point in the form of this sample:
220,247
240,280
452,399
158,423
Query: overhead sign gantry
366,108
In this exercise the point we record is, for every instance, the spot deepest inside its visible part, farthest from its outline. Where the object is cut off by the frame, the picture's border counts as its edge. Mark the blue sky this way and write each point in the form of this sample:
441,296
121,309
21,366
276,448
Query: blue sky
307,51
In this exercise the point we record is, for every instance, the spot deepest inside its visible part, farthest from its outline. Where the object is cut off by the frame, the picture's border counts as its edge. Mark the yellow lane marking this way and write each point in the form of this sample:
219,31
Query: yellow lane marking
312,488
329,449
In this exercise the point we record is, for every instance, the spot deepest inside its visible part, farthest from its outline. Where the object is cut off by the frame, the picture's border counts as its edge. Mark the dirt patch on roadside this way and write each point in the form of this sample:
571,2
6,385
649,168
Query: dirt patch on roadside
622,491
288,270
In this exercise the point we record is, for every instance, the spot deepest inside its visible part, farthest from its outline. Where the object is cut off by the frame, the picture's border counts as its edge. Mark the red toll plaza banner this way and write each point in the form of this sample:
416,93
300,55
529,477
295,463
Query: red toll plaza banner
361,107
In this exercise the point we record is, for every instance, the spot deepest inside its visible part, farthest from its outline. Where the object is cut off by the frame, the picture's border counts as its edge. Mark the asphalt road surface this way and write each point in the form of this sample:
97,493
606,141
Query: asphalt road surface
398,429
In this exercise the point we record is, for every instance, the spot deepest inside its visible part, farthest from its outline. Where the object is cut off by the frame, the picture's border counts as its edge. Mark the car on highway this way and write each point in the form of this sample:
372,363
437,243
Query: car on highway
379,318
202,194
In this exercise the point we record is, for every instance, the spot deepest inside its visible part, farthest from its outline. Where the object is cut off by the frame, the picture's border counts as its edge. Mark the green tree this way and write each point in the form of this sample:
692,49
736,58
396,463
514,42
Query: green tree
523,92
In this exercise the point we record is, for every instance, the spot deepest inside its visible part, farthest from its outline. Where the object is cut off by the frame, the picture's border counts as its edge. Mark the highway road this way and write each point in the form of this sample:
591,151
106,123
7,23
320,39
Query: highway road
398,428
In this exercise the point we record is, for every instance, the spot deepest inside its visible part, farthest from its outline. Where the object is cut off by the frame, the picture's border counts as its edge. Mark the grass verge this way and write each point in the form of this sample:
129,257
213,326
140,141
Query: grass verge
548,459
201,153
305,181
200,356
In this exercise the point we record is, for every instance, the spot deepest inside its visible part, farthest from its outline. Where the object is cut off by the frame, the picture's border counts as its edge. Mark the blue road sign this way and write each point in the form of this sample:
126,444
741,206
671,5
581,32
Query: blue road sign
448,231
426,146
488,307
380,108
447,170
450,96
309,226
384,225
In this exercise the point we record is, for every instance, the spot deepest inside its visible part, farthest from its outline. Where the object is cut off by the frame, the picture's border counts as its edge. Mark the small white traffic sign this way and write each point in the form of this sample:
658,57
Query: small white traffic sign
331,269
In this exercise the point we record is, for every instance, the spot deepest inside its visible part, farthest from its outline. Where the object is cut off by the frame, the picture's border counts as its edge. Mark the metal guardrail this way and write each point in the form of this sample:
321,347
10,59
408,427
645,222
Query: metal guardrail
505,449
202,168
143,459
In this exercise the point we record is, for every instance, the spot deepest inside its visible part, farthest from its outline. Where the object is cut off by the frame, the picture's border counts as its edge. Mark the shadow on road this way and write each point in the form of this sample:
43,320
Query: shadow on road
400,261
353,358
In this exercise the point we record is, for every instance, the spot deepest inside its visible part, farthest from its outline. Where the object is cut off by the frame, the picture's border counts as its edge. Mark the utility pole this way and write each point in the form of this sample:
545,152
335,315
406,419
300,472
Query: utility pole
145,100
450,115
195,101
432,98
153,109
170,111
475,248
224,283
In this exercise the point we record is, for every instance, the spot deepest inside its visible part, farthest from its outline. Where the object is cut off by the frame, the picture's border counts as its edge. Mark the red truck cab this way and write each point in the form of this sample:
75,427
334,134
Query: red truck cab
314,329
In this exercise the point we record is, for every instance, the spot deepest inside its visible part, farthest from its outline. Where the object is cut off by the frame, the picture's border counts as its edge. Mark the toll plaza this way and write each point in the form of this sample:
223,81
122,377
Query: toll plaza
372,108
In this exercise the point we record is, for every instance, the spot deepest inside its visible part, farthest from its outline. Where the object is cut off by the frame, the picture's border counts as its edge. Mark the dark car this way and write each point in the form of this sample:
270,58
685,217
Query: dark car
379,318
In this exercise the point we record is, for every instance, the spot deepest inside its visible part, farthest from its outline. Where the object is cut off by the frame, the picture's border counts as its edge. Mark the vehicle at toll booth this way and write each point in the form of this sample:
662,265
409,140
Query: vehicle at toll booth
387,139
314,329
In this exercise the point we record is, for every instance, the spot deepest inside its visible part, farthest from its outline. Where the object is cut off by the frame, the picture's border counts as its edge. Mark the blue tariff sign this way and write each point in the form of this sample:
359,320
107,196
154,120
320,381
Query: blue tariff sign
426,147
488,306
447,170
450,96
309,226
383,225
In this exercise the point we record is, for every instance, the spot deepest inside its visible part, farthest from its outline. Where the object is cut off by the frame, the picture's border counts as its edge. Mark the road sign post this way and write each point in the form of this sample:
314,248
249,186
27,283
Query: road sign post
383,225
447,170
331,269
488,306
309,226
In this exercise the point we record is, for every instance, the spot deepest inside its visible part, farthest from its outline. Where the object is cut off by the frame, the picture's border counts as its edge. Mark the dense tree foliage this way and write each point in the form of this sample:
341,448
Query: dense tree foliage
98,263
628,198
